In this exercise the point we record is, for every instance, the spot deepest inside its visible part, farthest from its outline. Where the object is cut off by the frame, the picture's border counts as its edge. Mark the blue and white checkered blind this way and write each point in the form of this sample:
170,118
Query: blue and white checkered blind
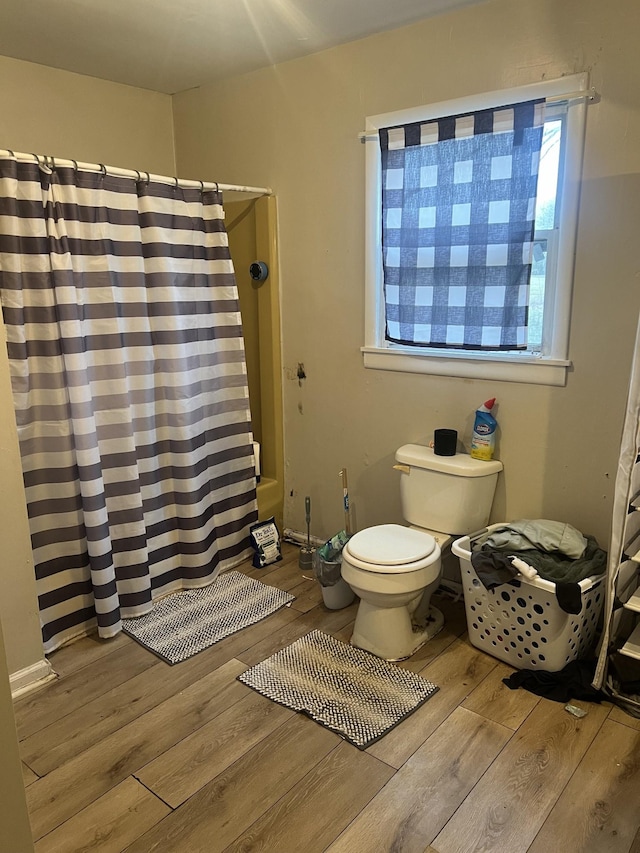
458,211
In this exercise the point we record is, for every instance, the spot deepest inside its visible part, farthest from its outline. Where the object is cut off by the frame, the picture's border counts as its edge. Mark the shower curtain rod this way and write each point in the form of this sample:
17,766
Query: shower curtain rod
54,162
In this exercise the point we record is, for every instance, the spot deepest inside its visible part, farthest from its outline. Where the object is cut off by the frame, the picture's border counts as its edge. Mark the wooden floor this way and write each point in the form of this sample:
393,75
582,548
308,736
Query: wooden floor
124,752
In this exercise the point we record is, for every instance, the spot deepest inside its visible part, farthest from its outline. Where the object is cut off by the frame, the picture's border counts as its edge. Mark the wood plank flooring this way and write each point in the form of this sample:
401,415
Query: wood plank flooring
126,753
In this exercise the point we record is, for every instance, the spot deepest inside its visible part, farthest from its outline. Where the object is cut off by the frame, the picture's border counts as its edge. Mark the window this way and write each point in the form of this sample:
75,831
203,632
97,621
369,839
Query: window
471,222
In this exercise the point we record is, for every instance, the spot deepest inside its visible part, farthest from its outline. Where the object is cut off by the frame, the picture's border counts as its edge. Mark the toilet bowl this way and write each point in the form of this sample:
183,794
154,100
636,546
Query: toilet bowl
394,570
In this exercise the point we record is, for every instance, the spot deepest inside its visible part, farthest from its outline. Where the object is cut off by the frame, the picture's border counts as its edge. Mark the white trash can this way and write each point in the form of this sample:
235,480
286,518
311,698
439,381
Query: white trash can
337,596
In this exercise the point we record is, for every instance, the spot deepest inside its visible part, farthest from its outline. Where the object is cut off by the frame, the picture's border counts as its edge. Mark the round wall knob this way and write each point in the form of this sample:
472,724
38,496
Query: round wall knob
258,271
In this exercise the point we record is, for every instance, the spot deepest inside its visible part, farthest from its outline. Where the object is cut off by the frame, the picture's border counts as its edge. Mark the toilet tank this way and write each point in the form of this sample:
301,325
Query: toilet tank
448,494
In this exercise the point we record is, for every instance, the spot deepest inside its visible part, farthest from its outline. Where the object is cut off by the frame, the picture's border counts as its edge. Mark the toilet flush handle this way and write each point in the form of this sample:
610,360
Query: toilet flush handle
406,469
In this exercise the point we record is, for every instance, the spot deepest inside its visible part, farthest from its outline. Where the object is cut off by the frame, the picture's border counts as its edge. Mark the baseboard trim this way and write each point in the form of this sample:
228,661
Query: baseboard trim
31,677
299,538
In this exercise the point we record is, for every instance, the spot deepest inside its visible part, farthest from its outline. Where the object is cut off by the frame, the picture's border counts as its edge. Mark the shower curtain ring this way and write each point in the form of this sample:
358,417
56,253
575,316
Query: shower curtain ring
75,166
148,179
11,152
217,187
175,186
201,187
103,169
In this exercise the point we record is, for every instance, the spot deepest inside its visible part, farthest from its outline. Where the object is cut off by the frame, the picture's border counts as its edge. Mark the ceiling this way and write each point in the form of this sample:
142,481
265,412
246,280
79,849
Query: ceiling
172,45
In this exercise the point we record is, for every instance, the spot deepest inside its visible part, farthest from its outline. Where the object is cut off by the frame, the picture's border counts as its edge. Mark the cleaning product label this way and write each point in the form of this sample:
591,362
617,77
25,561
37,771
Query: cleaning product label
484,436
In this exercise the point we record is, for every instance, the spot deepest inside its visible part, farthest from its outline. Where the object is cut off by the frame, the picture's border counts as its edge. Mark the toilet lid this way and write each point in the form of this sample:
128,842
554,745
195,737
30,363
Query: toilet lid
391,545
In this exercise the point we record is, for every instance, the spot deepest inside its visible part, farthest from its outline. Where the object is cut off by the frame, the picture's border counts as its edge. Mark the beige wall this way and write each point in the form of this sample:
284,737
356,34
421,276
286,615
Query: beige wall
15,832
18,602
294,127
46,111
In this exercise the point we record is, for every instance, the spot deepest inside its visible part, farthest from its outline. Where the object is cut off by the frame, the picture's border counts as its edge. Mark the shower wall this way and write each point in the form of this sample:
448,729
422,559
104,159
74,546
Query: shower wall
252,229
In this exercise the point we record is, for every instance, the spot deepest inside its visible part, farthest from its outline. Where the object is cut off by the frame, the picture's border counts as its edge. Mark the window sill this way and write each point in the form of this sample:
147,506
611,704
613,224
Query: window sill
527,369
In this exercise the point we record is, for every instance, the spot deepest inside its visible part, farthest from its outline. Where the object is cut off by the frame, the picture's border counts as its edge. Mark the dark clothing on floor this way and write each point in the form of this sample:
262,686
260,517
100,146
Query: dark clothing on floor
572,682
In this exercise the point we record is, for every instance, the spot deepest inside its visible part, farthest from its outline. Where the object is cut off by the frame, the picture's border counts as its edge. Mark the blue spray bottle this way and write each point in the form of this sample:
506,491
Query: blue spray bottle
483,440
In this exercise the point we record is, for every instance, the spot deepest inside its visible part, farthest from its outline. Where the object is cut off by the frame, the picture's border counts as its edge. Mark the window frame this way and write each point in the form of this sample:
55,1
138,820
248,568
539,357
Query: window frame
550,366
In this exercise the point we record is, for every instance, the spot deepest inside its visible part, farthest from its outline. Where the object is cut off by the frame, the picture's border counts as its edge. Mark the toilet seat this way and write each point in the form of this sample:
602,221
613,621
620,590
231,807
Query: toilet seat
391,549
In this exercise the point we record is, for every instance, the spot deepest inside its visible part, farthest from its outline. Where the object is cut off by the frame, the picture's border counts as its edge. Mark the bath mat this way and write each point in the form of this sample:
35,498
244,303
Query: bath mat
351,692
185,623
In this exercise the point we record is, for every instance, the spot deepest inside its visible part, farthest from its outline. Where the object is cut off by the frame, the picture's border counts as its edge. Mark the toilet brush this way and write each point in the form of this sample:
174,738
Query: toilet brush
305,558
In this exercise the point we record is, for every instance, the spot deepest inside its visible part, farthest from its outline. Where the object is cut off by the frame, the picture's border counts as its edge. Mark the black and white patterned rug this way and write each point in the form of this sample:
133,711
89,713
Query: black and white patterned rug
351,692
185,623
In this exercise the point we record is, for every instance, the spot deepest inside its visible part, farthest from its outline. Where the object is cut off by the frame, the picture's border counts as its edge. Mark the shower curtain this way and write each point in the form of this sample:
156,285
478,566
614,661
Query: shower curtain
130,390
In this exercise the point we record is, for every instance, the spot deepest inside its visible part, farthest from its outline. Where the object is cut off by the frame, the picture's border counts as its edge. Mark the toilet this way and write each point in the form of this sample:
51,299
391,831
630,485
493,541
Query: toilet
394,569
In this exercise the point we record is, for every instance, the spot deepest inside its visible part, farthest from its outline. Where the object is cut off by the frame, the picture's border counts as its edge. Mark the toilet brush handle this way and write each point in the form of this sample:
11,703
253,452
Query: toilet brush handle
345,500
307,513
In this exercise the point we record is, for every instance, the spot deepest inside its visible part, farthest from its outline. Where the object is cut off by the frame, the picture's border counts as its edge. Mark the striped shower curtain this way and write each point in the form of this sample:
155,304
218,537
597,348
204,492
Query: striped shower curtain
130,390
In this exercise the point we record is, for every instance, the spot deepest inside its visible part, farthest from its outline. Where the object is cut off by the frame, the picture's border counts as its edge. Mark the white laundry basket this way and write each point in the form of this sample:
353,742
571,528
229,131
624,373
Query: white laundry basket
521,622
